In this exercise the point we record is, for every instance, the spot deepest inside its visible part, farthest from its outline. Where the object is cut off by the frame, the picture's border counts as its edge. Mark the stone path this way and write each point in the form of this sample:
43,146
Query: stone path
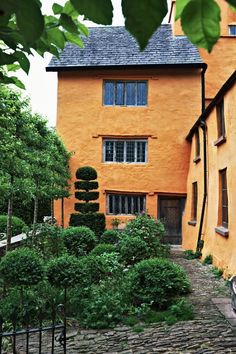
208,333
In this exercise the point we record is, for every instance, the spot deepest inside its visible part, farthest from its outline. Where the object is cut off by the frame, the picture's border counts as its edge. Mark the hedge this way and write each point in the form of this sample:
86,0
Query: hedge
86,185
95,221
87,196
18,225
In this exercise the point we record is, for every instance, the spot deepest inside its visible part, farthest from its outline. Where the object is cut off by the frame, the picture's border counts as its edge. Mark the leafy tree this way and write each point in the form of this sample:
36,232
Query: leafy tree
24,29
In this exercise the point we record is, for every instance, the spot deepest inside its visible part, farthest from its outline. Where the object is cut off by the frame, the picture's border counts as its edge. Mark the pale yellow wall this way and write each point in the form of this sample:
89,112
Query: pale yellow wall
224,156
174,101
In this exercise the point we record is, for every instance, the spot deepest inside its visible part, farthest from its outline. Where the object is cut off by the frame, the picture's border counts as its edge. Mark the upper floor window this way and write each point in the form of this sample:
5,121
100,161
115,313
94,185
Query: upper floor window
232,30
194,201
220,119
125,204
125,93
223,207
129,151
197,147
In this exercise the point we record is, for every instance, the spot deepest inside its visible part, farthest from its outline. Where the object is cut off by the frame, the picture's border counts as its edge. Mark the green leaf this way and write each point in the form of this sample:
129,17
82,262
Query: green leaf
180,5
143,17
70,10
200,21
6,58
67,22
13,67
11,80
23,61
74,38
83,29
57,9
56,37
29,19
99,12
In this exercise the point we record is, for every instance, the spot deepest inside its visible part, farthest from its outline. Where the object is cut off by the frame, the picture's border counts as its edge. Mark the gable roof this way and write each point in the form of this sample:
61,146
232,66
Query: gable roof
115,47
220,94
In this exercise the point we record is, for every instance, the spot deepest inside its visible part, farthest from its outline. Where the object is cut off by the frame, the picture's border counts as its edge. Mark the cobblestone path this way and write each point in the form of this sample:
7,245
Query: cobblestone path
208,333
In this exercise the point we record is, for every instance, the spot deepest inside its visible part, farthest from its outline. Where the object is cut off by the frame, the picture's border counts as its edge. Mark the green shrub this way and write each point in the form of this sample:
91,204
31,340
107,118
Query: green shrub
87,207
217,272
133,249
189,254
86,185
110,236
87,196
103,248
64,272
208,259
96,268
86,173
21,267
79,241
149,230
103,307
18,225
49,241
156,281
95,221
182,310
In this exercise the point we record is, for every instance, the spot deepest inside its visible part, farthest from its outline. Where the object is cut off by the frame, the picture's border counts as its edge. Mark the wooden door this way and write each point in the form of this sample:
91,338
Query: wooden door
170,212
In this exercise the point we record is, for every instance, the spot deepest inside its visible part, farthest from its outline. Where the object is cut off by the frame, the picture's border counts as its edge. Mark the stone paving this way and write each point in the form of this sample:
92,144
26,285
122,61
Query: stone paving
208,333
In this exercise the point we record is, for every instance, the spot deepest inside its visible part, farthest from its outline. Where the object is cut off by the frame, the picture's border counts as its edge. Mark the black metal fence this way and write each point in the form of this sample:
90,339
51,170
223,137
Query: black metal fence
34,340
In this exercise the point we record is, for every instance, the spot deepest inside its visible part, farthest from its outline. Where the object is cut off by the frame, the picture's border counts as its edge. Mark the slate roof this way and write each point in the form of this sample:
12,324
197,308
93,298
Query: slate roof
114,46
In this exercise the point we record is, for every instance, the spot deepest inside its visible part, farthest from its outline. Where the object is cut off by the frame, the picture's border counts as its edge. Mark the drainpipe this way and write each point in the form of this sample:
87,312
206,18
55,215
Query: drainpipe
203,126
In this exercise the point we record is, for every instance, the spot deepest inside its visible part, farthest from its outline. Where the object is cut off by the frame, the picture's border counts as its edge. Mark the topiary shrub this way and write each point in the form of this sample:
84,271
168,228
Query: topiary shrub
156,281
87,207
103,248
133,249
149,230
87,196
21,267
110,236
86,185
95,221
18,225
86,173
64,272
79,241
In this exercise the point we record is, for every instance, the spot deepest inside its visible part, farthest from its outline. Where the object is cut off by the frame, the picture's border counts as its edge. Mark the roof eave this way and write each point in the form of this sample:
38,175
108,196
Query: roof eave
119,67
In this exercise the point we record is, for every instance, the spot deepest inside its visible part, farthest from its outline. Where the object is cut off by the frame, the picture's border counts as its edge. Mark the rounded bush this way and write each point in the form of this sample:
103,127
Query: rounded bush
21,266
63,272
157,281
86,185
103,248
133,249
79,241
86,173
95,268
18,225
87,196
87,207
110,236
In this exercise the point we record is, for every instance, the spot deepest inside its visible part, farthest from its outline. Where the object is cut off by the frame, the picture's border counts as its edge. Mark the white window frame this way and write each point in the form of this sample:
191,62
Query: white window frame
125,150
126,203
232,26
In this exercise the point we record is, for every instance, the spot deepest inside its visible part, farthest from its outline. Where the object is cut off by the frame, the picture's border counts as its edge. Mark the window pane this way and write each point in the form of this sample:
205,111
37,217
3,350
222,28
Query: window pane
117,204
141,204
130,151
136,209
109,151
131,93
120,90
123,199
141,145
232,30
141,93
109,89
220,119
129,199
119,151
110,204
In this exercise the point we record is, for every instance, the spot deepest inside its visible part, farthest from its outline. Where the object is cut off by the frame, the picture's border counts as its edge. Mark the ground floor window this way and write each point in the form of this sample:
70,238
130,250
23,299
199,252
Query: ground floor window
223,199
125,204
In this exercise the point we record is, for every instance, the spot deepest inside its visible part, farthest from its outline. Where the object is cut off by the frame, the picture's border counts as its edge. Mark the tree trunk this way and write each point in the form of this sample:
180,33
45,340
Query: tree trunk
36,208
9,222
52,210
62,213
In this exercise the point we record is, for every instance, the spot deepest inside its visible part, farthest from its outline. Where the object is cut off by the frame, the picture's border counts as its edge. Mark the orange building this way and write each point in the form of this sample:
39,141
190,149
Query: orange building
218,221
127,114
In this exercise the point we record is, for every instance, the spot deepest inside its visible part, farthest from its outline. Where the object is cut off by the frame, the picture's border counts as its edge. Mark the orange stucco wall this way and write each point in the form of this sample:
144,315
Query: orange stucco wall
219,157
174,102
222,60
